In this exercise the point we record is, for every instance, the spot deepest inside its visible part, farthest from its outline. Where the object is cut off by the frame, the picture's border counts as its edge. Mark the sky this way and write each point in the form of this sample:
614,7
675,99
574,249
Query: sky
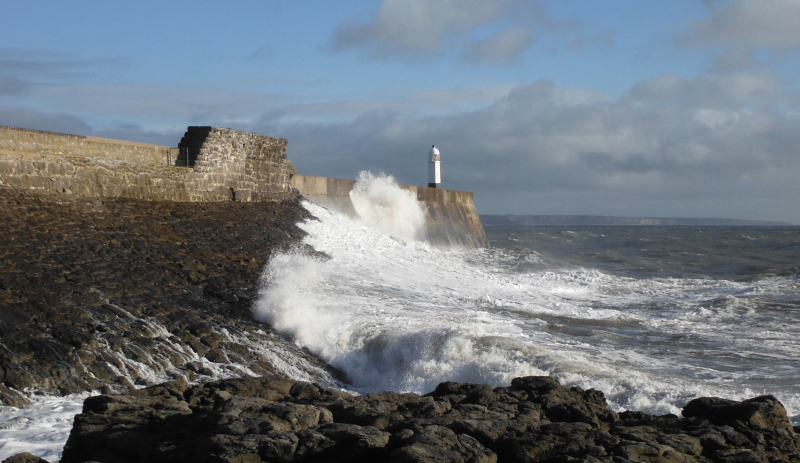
686,108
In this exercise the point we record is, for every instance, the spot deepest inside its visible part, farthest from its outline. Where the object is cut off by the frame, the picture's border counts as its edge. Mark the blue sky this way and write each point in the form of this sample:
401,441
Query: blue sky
614,107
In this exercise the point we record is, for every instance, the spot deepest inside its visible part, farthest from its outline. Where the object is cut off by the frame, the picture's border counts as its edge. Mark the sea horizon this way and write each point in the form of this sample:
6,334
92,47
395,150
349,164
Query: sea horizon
501,220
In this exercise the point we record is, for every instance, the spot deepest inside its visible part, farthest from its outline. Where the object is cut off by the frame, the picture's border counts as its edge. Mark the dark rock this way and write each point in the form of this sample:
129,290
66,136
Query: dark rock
217,355
275,419
12,397
438,444
24,457
132,288
485,431
648,452
763,411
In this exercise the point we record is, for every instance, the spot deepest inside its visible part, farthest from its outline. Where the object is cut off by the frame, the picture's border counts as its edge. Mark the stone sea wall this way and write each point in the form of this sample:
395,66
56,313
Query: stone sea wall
228,165
451,216
210,164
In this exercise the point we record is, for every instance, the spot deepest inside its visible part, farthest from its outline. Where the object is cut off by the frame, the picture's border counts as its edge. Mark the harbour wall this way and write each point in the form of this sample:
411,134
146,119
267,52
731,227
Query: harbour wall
210,164
450,215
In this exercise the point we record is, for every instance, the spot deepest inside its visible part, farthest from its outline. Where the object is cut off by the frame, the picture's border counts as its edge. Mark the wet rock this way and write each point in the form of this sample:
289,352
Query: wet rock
275,419
217,355
436,443
24,457
134,289
12,398
763,411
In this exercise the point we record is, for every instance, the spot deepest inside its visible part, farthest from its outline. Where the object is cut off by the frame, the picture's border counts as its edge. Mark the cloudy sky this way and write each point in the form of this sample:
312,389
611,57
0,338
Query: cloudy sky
682,108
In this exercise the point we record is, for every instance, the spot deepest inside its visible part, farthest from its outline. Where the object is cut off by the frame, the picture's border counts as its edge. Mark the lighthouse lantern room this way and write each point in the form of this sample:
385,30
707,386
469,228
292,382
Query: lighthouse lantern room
434,168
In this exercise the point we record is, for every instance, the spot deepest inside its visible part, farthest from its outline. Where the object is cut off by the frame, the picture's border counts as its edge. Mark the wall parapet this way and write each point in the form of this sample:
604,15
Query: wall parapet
22,129
27,143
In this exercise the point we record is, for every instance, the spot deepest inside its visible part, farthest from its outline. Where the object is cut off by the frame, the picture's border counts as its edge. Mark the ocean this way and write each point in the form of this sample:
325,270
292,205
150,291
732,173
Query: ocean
651,316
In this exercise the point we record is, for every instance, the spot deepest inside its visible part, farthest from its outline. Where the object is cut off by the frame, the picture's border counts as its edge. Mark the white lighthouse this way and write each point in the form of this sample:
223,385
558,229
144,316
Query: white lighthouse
434,168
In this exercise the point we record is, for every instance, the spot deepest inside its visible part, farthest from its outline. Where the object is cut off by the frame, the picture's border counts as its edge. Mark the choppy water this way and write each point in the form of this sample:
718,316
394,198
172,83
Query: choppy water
652,316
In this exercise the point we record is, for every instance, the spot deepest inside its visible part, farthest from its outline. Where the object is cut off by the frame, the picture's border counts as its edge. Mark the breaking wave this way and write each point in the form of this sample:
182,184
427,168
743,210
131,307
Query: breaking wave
399,314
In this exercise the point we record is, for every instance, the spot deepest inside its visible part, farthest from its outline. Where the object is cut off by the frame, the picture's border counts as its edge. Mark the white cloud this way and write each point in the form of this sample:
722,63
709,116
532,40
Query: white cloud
40,63
672,146
748,23
419,27
665,152
13,86
715,90
503,47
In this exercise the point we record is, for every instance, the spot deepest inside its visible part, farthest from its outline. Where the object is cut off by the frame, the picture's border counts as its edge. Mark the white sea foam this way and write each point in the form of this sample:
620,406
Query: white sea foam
41,428
398,314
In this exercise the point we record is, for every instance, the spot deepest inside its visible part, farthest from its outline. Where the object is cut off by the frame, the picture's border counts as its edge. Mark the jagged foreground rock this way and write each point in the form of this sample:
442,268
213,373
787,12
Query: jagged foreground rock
103,293
535,419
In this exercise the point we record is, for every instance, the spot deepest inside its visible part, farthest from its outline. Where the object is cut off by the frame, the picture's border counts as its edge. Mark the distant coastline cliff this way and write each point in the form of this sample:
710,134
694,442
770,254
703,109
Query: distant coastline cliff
600,220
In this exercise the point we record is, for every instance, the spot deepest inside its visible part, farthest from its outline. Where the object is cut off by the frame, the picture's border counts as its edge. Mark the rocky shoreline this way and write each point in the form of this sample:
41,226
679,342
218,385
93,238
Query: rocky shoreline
535,419
150,302
105,293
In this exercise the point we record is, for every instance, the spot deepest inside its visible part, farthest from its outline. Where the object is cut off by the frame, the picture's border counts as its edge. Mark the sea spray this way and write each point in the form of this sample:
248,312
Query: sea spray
381,203
289,304
41,428
365,309
394,314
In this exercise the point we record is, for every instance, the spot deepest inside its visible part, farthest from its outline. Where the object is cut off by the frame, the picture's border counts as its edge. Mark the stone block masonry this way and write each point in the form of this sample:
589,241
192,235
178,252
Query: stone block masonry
227,165
254,167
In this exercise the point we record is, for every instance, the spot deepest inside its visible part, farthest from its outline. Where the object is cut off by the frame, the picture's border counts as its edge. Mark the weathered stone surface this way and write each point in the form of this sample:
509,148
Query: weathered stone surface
274,419
93,292
233,165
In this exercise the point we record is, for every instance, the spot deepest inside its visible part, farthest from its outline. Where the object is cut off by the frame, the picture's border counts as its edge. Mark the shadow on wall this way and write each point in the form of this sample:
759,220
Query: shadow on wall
190,145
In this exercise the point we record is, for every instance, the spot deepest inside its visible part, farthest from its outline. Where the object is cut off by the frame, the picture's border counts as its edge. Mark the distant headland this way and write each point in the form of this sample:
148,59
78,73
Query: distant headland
602,220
